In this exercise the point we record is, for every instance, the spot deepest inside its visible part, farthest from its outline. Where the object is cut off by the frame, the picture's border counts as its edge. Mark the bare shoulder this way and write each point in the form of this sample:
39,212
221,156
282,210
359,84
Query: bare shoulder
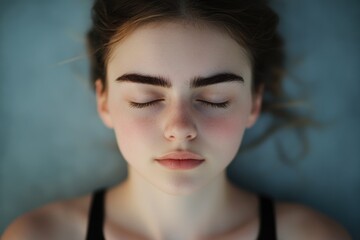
295,221
59,220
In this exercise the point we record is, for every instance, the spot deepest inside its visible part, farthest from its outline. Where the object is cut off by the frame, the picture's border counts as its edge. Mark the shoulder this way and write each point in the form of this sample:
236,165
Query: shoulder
295,221
57,220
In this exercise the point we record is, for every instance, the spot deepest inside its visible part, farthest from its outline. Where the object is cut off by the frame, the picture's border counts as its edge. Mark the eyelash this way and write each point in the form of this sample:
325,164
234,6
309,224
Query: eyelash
215,105
210,104
143,105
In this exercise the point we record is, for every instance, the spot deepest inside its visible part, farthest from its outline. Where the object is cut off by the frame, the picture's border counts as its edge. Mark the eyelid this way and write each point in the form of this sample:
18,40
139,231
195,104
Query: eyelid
145,104
224,104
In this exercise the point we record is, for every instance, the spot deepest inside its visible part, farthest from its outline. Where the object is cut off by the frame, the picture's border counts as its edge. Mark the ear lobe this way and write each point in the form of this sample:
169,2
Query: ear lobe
256,107
102,103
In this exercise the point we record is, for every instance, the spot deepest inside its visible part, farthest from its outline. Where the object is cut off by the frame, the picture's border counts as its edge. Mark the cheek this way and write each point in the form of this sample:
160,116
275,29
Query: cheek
132,134
223,137
224,129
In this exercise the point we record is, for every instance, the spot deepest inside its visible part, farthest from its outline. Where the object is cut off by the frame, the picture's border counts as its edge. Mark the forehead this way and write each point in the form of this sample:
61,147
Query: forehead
178,51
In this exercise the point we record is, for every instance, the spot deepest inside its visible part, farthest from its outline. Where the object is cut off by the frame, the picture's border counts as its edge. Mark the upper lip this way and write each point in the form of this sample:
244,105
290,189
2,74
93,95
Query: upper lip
181,155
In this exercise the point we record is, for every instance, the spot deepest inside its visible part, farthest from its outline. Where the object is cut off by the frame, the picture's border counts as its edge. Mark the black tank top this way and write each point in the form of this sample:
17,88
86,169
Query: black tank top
96,218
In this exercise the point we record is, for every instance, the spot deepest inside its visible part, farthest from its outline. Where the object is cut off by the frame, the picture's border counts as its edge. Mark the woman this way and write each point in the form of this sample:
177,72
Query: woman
180,82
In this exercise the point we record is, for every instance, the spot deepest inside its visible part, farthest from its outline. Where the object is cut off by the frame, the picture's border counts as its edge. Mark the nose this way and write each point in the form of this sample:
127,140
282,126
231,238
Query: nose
180,125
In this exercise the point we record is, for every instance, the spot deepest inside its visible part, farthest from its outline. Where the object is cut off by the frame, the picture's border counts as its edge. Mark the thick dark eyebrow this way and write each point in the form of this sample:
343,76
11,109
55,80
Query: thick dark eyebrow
218,78
195,83
145,79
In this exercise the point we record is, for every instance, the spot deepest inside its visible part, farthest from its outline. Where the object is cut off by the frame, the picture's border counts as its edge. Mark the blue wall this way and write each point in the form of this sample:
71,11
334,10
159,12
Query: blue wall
52,143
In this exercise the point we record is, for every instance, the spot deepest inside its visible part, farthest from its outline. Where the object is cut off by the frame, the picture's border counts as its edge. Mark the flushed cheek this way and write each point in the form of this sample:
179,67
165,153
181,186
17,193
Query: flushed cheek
224,128
223,137
134,134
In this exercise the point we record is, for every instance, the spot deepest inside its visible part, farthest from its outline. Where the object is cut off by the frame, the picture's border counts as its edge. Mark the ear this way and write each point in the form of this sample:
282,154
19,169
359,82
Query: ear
102,103
256,107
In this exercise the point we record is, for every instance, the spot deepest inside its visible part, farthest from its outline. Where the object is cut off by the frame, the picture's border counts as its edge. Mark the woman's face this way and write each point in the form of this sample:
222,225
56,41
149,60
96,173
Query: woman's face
155,107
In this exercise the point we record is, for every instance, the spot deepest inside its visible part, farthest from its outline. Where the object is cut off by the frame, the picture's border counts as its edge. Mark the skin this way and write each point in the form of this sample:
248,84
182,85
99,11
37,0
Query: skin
155,202
179,122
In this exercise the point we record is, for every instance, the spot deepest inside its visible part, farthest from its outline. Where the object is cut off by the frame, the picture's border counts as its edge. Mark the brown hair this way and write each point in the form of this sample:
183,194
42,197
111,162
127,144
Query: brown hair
252,23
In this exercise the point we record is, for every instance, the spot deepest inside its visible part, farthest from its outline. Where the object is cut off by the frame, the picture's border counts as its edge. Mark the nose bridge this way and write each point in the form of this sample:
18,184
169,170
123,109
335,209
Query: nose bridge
180,123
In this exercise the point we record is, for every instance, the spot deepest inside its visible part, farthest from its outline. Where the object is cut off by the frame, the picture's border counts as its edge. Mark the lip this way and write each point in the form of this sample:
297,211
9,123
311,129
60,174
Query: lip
180,160
181,155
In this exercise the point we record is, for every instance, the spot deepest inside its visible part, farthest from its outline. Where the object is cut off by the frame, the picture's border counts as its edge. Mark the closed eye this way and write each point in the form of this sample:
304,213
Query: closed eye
206,103
215,105
146,104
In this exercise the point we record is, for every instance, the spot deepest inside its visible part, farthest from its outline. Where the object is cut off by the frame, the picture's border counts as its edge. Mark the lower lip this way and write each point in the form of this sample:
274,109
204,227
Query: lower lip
182,164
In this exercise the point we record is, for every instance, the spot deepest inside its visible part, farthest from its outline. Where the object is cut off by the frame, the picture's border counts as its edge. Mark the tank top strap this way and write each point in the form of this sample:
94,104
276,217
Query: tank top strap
267,219
267,229
96,216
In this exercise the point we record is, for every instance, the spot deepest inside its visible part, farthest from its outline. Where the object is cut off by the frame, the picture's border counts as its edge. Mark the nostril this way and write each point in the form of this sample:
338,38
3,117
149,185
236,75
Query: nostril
180,134
190,136
180,127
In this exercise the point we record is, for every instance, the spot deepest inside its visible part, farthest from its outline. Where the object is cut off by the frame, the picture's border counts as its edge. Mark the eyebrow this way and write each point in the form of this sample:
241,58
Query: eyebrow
196,82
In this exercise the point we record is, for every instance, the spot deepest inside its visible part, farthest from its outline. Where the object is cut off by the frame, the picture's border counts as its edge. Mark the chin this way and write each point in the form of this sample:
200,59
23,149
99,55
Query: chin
181,186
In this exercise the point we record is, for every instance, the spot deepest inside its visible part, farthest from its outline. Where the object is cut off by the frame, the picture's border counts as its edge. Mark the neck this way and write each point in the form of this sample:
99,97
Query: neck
160,215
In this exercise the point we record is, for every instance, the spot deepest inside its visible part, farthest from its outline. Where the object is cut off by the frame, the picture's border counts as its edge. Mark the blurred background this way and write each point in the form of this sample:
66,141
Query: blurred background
53,145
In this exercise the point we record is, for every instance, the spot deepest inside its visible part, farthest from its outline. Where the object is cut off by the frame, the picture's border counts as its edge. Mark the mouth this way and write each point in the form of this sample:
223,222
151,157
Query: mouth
180,160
